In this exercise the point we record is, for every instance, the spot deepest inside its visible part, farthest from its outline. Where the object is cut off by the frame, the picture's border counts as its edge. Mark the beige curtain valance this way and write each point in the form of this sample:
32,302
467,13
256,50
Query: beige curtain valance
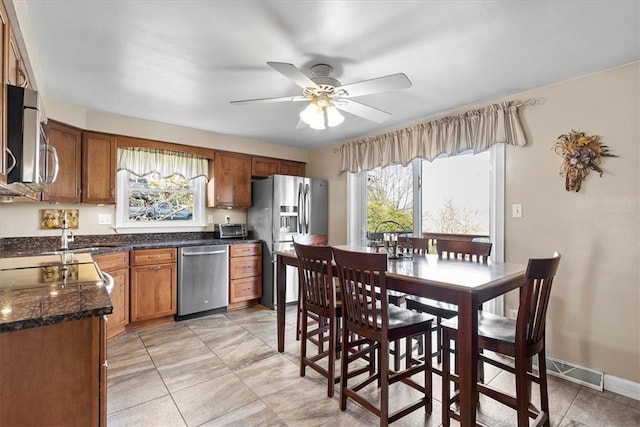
475,130
143,161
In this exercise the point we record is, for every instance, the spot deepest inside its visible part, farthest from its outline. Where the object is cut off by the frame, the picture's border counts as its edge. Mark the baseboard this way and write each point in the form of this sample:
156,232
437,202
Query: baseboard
621,386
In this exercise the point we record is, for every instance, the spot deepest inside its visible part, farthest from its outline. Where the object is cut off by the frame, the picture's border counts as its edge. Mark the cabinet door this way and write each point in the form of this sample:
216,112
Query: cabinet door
67,141
231,185
98,168
4,36
153,292
118,320
13,60
292,168
262,167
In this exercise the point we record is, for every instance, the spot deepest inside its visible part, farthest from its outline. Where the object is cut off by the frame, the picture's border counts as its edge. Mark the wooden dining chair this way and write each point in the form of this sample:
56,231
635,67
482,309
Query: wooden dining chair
448,249
521,339
306,239
378,323
318,296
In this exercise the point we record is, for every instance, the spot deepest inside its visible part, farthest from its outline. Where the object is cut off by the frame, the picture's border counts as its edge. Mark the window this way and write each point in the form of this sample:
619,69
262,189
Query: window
390,199
461,194
455,195
150,196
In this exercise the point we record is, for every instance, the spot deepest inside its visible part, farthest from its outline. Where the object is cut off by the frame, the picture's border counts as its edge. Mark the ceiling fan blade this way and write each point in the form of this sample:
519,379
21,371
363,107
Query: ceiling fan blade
279,99
293,73
380,84
362,110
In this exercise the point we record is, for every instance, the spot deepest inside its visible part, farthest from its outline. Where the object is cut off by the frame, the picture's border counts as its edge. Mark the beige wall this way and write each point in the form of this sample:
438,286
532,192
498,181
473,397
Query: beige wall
593,319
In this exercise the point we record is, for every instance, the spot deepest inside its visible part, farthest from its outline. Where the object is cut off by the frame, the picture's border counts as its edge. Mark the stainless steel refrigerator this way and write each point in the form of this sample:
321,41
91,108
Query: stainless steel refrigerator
282,207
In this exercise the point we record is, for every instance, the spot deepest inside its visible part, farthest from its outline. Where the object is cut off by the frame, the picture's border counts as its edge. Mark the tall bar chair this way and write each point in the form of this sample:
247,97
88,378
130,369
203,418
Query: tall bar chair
448,249
371,317
318,296
307,239
521,339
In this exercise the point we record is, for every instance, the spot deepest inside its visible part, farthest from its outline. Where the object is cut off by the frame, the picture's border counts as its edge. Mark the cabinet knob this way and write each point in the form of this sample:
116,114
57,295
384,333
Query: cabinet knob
156,268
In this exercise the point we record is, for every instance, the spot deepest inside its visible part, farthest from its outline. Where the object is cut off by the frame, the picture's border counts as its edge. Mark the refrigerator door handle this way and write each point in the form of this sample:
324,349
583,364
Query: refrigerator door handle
307,208
300,217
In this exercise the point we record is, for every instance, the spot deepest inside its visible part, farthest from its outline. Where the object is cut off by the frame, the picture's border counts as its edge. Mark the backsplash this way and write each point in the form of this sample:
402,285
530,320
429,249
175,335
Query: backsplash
25,244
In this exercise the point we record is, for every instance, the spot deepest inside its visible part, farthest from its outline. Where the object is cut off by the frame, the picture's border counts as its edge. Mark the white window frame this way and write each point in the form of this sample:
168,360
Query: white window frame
198,223
357,210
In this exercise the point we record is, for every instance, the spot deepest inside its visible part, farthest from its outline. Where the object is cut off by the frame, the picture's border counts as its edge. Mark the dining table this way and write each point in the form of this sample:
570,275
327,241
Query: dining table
464,283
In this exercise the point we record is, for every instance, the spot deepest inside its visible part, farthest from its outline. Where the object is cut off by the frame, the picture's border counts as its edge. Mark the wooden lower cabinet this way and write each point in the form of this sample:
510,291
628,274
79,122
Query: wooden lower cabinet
117,265
153,287
245,275
54,375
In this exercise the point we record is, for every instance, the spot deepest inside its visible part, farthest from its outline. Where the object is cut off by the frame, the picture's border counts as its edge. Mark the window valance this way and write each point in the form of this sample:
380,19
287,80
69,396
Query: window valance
475,130
143,161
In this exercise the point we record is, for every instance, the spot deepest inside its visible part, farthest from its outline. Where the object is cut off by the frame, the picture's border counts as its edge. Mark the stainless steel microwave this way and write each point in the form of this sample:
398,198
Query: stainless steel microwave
32,163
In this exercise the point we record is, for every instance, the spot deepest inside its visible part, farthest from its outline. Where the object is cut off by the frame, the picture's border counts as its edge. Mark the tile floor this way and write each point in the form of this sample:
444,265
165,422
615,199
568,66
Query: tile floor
224,370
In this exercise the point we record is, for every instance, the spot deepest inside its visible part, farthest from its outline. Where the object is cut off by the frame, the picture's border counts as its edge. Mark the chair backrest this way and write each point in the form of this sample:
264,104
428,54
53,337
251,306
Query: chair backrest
464,249
534,299
359,274
419,244
318,291
311,239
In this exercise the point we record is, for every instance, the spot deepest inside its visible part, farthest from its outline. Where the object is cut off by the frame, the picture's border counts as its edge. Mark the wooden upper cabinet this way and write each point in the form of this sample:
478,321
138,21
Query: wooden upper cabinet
67,141
98,168
17,70
262,167
231,183
288,167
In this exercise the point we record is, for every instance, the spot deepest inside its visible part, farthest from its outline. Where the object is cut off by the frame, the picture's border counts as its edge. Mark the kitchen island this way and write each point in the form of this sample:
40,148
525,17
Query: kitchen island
52,341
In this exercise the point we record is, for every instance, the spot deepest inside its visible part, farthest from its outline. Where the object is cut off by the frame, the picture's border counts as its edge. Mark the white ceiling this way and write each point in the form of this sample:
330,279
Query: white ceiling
182,62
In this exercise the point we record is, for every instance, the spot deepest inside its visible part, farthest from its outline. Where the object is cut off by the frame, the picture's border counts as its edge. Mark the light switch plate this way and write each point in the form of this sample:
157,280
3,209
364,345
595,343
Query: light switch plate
516,210
104,219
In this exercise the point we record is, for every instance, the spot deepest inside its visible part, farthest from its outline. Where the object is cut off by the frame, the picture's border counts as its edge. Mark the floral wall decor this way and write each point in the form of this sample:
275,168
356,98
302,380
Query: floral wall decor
581,154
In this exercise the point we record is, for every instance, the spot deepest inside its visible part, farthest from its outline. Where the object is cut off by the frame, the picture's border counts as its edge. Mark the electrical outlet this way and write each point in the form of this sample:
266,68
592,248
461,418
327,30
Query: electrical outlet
104,219
513,314
210,219
516,210
227,219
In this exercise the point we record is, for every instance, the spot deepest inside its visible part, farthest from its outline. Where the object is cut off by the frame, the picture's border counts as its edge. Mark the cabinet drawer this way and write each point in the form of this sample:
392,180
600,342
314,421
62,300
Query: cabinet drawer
153,256
245,249
245,267
111,262
245,289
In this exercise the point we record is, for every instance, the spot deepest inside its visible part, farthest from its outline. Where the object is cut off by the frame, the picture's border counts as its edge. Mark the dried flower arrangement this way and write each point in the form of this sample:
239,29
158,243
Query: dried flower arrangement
581,153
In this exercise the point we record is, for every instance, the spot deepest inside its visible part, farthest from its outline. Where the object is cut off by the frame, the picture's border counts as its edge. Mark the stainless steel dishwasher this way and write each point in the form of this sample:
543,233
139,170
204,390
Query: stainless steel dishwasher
203,279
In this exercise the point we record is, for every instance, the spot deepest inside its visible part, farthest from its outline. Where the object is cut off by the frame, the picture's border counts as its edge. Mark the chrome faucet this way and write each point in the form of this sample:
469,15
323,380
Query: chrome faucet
67,236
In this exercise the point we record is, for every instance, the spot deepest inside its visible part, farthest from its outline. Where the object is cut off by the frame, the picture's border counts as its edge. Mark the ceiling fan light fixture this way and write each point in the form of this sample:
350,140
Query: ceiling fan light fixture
313,116
334,118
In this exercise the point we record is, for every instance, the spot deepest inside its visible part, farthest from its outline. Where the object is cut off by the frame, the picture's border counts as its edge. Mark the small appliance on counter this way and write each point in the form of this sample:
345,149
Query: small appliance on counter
232,231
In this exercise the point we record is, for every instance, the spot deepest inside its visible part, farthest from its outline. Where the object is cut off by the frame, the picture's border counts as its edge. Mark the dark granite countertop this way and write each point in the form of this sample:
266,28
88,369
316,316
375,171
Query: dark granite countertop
101,244
40,306
49,303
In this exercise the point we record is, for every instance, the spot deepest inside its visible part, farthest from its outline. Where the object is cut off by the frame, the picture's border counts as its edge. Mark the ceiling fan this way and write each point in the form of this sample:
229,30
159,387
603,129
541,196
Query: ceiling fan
326,95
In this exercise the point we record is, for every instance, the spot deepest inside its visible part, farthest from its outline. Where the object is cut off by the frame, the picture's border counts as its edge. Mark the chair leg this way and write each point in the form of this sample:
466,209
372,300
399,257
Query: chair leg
439,340
344,368
522,389
384,386
299,313
331,368
446,385
303,344
544,391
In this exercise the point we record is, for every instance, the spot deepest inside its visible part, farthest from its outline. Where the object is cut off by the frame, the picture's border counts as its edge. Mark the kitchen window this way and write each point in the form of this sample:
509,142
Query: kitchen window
160,190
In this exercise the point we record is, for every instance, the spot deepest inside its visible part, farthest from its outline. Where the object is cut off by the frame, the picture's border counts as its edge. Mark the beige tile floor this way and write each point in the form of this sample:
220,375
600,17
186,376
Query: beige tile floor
224,370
